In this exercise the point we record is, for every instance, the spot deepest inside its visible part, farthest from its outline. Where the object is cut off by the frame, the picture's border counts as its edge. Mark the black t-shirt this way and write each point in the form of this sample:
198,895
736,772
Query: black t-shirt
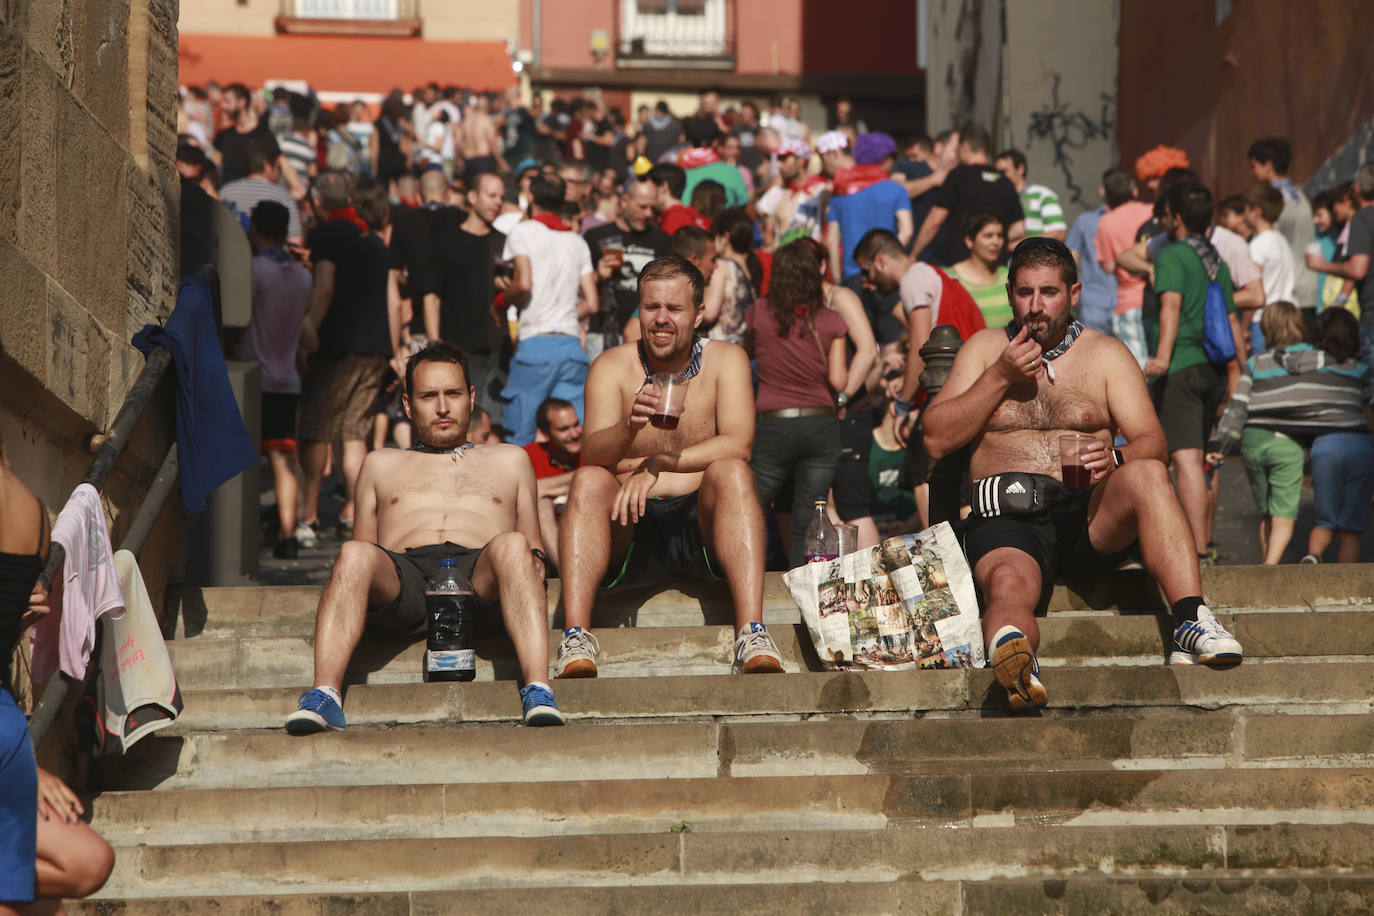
465,264
412,234
661,135
546,146
233,151
518,137
599,154
620,294
968,189
357,318
912,169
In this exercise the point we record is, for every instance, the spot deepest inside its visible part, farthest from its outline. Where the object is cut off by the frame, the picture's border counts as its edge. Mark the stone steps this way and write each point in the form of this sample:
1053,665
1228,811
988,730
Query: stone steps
985,800
1211,891
1287,686
1107,639
741,858
290,610
1166,738
677,789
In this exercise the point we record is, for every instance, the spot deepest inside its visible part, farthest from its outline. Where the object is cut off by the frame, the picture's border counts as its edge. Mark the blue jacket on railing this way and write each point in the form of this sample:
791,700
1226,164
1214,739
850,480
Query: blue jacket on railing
213,444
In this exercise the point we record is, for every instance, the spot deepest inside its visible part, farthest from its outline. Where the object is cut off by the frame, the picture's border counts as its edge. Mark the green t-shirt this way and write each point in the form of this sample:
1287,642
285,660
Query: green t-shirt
1178,269
992,300
885,471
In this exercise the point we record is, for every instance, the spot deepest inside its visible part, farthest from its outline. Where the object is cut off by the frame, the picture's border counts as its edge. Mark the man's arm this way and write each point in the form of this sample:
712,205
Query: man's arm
589,304
430,306
365,501
1136,260
526,508
918,332
975,388
915,187
931,225
904,227
550,487
832,245
861,332
1129,405
522,283
606,431
321,293
1170,303
1353,268
1250,296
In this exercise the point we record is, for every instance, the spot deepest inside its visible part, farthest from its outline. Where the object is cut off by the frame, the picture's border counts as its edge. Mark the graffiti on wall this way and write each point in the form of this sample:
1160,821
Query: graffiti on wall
1069,130
1341,167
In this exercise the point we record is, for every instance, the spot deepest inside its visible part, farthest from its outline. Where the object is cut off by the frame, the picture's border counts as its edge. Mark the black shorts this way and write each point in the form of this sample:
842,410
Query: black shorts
1052,529
403,617
853,485
279,421
669,532
1187,403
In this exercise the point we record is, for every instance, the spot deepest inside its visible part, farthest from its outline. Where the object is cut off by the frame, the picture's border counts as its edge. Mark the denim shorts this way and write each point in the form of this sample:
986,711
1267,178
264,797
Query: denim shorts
1343,480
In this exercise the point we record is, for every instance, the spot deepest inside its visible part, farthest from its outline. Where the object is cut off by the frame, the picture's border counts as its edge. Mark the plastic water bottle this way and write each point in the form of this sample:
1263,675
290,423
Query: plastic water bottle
822,542
448,606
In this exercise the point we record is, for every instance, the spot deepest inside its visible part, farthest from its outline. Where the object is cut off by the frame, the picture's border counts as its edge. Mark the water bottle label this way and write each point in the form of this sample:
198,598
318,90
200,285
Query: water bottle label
450,660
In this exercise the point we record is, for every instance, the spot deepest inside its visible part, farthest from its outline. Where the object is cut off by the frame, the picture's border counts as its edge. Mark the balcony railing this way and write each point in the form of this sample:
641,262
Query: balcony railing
676,33
359,17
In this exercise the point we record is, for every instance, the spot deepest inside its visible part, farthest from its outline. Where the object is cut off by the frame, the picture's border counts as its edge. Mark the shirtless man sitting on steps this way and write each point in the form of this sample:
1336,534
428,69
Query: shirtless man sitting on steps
1012,392
683,496
443,497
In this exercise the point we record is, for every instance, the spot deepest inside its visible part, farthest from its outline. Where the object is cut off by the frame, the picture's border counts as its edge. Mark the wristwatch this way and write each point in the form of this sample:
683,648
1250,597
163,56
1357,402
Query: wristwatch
902,407
842,399
1118,459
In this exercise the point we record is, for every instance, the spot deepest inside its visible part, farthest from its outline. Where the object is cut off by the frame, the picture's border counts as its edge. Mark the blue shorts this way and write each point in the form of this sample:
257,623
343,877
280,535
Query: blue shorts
1343,480
18,805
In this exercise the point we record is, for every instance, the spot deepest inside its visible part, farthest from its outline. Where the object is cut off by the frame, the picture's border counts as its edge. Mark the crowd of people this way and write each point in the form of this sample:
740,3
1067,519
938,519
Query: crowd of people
572,253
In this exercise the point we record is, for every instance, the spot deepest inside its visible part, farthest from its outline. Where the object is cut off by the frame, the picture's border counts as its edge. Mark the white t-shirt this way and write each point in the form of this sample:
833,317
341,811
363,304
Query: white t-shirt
920,288
1271,252
768,203
558,260
1235,254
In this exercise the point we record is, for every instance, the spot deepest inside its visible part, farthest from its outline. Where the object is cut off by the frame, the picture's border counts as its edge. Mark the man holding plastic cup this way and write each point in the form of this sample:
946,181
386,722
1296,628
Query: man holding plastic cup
666,438
1013,393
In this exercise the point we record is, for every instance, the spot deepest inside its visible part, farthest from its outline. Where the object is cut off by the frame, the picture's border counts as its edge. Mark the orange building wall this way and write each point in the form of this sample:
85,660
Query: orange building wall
769,36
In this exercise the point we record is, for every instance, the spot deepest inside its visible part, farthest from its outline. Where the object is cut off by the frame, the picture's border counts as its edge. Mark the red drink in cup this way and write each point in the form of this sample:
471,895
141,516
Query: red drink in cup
672,394
1075,476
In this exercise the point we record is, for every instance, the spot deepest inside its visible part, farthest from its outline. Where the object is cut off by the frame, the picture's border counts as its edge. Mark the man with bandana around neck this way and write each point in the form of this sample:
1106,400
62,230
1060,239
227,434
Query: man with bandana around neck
442,498
683,497
1012,393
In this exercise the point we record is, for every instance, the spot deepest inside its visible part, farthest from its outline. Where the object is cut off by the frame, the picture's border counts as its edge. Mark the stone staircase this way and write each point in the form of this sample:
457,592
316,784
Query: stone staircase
679,788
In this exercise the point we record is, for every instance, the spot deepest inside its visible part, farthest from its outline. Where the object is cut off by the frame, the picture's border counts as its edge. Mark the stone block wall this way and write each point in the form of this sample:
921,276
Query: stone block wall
89,199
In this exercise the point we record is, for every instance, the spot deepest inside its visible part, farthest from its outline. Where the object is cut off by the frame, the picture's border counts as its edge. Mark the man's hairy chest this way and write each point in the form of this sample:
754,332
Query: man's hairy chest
1046,405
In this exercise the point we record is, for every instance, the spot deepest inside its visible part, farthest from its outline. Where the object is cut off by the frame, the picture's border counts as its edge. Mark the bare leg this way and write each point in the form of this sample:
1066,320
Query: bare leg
1010,582
732,528
586,542
1319,540
922,494
1192,493
1264,536
1350,547
1280,533
506,570
380,423
868,530
287,488
548,528
354,451
314,457
1136,502
363,576
73,860
1213,495
401,434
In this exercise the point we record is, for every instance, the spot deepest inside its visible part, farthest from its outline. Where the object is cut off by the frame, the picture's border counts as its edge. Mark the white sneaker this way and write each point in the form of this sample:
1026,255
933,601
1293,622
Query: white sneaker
577,654
305,536
1205,641
755,651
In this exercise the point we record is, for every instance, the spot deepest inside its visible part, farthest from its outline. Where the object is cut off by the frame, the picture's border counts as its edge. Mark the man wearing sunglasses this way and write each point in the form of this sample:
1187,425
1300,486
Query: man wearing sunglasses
1012,393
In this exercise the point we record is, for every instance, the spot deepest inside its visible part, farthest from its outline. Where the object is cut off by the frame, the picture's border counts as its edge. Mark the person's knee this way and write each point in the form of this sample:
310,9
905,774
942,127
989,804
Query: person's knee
591,484
509,548
357,558
94,869
729,475
1143,473
1013,583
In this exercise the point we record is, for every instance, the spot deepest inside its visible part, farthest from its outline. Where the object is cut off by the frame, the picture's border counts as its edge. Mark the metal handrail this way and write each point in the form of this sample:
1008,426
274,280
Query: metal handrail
110,449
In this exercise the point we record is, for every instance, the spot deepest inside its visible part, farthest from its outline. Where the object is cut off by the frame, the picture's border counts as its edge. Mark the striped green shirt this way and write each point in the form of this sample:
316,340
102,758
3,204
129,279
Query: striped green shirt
991,299
1043,212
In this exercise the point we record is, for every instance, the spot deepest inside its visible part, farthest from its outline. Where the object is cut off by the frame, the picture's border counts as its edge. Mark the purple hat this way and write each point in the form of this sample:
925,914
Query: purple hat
873,147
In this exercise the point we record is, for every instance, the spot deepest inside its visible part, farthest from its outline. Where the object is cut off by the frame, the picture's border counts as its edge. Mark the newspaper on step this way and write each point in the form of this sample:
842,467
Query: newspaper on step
907,603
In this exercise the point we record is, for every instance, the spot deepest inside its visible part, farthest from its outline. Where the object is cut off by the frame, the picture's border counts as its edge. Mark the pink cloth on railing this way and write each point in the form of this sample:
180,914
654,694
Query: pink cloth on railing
86,588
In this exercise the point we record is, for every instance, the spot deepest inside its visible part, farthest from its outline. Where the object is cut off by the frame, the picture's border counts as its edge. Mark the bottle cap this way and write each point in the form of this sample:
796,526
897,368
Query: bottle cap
820,502
448,561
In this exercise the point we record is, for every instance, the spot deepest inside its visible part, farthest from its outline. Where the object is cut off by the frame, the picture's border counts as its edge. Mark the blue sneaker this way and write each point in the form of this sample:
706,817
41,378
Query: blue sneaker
316,712
1016,668
540,709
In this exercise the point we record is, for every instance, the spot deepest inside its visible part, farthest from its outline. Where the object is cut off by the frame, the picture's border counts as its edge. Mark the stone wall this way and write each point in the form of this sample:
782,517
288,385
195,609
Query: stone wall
89,201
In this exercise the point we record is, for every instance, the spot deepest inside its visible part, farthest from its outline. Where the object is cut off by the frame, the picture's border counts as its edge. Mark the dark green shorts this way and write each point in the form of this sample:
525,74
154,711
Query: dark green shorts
669,533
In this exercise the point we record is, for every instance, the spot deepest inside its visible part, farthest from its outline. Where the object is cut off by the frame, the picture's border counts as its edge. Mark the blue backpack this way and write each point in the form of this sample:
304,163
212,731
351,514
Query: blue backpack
1217,342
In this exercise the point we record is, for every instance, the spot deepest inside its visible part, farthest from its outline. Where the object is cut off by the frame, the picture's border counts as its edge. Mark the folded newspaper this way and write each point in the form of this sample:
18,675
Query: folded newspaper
907,603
